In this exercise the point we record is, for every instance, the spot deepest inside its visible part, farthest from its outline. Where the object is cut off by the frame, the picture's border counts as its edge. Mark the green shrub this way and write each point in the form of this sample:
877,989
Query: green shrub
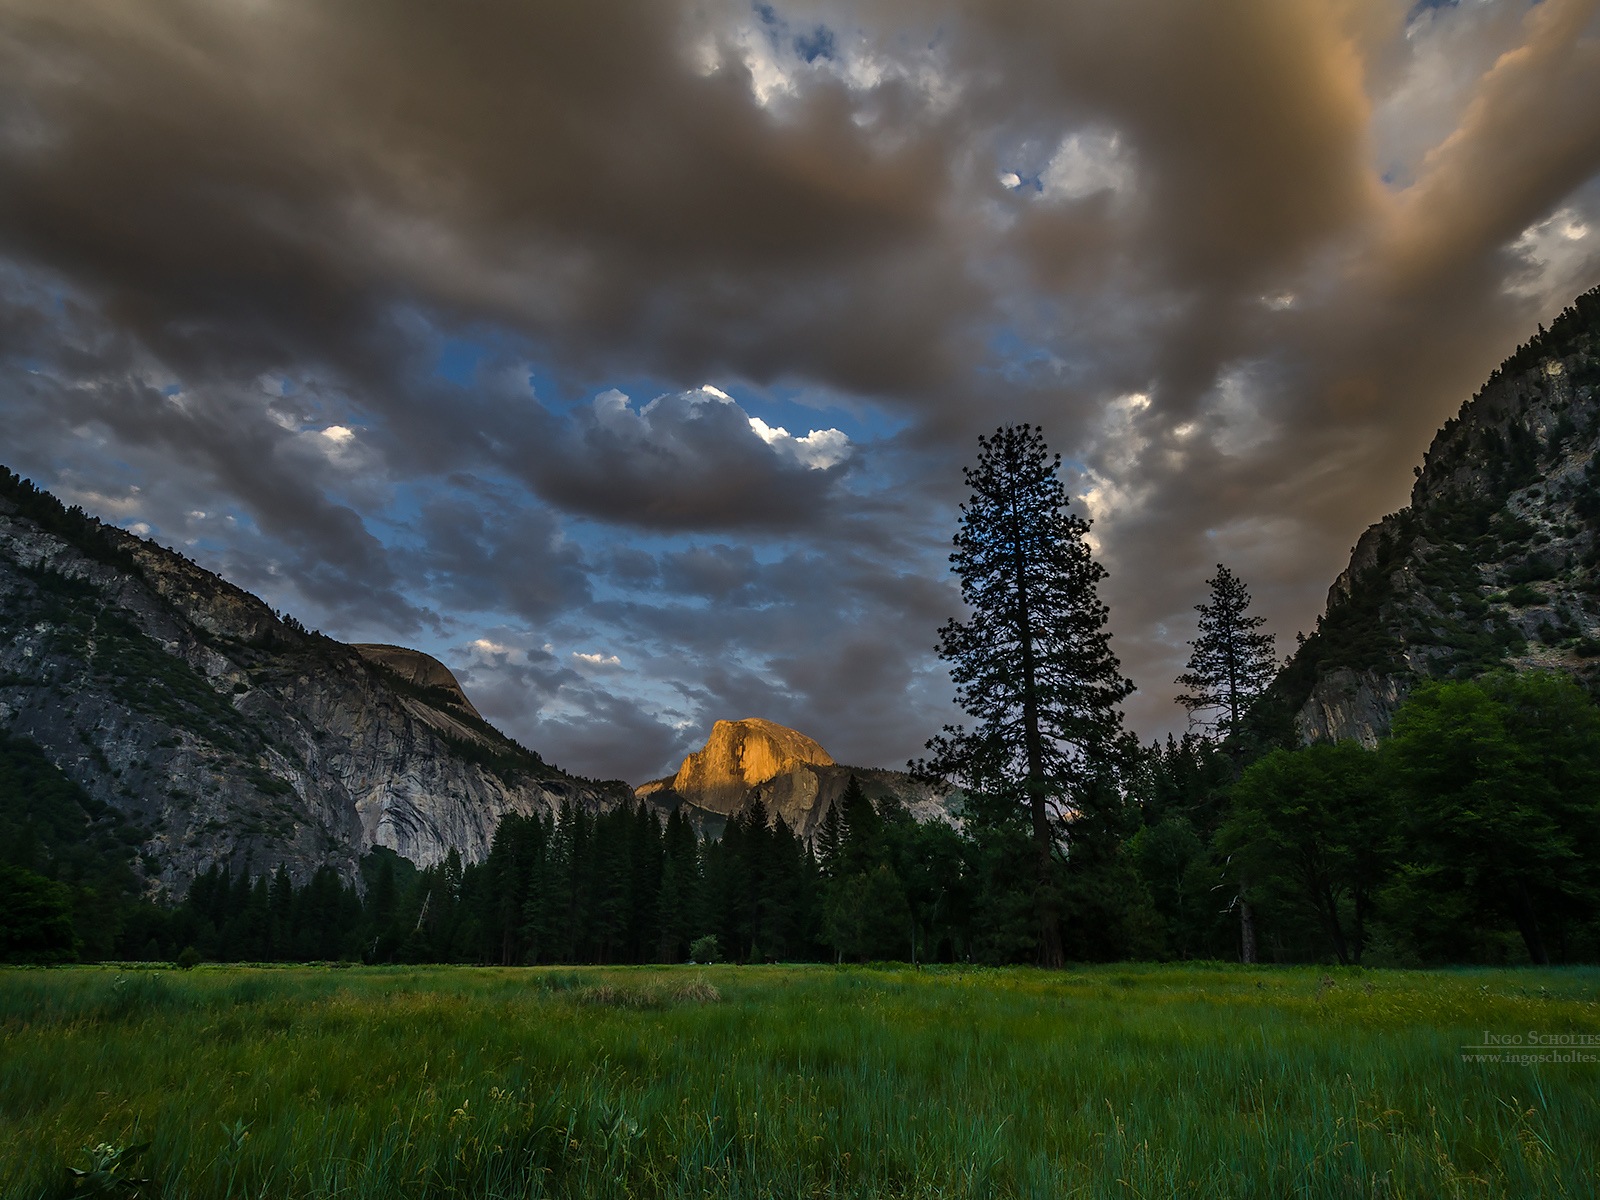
1522,596
705,949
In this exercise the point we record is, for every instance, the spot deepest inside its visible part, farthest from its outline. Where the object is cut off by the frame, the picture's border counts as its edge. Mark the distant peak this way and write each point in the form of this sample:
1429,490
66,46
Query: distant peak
740,754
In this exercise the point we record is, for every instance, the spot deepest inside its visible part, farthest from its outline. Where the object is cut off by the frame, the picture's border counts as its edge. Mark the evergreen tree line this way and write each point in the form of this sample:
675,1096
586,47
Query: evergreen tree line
1470,835
624,886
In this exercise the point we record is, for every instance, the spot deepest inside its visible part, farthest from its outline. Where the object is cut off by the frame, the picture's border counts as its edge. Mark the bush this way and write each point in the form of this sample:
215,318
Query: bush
705,949
1522,596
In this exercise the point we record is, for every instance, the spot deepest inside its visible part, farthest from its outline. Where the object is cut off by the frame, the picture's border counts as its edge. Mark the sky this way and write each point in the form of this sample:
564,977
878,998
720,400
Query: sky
625,355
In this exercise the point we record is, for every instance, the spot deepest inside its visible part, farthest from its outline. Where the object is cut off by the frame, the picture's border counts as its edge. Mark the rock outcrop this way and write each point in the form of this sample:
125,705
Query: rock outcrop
794,777
738,756
420,670
227,734
1351,706
1494,564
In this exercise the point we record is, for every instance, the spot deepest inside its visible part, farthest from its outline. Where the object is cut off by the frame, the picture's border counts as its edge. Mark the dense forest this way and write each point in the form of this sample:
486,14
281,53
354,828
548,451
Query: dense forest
1470,835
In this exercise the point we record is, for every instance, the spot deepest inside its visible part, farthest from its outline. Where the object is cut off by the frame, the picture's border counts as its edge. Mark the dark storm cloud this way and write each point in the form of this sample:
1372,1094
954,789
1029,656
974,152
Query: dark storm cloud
684,461
249,185
1239,259
483,551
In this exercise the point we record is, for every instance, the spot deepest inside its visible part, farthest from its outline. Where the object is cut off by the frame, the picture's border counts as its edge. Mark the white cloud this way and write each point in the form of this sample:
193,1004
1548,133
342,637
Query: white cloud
1087,162
819,449
597,660
1556,254
337,434
1112,483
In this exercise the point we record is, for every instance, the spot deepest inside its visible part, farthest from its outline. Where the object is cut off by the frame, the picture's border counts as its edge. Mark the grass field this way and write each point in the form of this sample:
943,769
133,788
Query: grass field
796,1081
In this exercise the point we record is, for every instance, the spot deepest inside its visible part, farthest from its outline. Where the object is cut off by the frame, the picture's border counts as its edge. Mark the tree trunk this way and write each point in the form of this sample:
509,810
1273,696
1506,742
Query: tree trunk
1528,926
1247,929
1335,931
1051,953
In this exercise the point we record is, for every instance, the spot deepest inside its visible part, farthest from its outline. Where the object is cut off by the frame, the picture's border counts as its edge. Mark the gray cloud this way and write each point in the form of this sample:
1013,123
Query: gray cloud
1238,259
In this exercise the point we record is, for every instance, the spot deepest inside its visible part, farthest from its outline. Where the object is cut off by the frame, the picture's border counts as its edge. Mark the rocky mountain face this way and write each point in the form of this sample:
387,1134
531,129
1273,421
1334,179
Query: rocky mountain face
226,734
1496,561
793,776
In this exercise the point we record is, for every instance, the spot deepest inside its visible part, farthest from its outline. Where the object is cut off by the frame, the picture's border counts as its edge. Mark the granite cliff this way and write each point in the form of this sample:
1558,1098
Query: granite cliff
223,733
793,776
1495,563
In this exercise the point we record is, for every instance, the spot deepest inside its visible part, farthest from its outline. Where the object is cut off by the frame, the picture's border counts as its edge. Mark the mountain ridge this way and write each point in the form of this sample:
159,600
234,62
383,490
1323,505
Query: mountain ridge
230,735
1495,563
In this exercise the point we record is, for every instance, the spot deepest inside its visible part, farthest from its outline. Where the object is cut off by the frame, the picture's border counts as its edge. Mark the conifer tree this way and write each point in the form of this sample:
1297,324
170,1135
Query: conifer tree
860,831
1232,662
1033,664
1231,665
830,836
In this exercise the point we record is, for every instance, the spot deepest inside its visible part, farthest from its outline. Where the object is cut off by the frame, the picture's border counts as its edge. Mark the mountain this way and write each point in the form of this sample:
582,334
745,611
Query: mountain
218,732
794,777
1495,562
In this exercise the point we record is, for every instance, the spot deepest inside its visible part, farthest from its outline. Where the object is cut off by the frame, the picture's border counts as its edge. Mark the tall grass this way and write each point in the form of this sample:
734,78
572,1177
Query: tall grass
791,1082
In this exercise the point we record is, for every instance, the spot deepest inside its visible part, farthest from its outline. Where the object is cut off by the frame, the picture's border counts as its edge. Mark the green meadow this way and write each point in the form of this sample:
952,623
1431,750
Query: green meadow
793,1082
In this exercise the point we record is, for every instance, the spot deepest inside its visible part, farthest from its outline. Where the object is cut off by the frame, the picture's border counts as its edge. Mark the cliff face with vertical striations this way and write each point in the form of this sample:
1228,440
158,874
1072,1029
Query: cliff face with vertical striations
1494,564
790,773
225,734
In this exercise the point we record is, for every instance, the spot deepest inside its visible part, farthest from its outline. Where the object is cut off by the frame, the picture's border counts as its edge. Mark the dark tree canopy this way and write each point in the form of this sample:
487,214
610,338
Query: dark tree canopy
1499,781
1032,664
1232,662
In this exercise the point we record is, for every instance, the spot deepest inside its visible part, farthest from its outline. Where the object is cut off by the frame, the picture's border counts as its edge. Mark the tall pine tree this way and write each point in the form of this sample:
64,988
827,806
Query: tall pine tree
1033,664
1232,662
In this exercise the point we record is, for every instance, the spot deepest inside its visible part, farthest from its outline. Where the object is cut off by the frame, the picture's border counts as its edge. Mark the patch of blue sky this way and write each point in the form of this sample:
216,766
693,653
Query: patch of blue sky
1018,359
800,408
459,359
817,43
395,524
1015,181
808,45
1422,6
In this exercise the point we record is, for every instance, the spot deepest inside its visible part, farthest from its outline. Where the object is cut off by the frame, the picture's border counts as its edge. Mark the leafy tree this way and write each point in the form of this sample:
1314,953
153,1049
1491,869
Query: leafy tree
1180,876
1313,826
1500,781
1232,662
36,919
930,861
1033,664
867,917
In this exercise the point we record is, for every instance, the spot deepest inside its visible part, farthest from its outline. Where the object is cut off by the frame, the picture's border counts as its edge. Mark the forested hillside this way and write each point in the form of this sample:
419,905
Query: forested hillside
1496,561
